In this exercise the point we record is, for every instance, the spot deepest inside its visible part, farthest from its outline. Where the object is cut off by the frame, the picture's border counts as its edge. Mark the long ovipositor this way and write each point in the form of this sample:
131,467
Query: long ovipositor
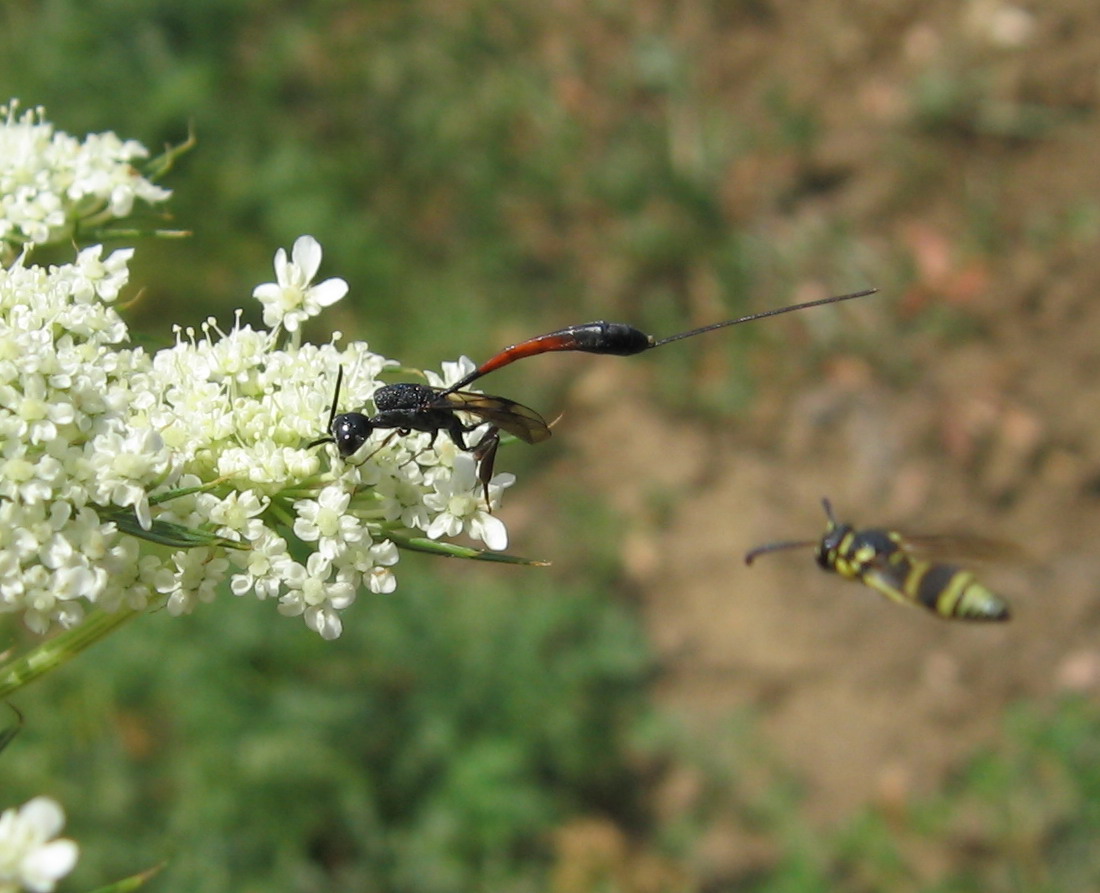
619,339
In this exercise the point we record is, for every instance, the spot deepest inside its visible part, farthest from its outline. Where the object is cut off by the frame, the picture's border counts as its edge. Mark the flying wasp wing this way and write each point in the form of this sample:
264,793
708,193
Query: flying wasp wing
515,418
961,547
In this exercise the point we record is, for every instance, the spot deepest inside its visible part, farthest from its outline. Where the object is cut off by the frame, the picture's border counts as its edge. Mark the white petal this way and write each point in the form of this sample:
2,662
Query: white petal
280,266
442,526
269,291
492,532
42,868
381,581
328,292
45,814
324,621
307,256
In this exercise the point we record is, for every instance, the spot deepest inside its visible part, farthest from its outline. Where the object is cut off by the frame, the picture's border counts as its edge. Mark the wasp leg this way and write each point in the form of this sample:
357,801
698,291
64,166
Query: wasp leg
486,453
378,449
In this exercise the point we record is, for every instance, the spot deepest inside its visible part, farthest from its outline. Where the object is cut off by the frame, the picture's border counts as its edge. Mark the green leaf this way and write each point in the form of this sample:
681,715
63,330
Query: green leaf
167,495
132,882
167,533
452,550
117,233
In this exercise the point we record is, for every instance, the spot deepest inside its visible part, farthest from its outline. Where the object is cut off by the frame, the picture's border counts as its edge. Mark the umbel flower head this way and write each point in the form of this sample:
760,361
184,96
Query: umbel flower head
52,184
130,478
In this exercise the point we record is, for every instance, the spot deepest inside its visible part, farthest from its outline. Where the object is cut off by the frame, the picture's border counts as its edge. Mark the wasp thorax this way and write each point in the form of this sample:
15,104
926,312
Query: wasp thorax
403,395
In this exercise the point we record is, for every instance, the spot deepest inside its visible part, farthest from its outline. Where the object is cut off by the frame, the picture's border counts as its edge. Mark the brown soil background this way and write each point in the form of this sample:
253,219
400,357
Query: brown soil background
964,397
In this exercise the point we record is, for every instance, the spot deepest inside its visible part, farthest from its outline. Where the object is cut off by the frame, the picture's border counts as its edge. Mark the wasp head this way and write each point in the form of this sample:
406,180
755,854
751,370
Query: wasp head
828,548
350,430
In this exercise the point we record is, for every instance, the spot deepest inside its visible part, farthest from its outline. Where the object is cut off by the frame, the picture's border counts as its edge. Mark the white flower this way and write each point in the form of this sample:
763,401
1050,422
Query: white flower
124,466
402,499
237,513
452,372
291,299
104,170
194,579
316,597
29,858
266,566
326,521
371,565
94,278
380,578
460,501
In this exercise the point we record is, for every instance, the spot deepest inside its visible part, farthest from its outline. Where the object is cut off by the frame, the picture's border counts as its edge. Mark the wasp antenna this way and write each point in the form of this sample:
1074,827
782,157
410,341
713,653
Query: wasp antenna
335,400
750,557
789,309
331,413
828,506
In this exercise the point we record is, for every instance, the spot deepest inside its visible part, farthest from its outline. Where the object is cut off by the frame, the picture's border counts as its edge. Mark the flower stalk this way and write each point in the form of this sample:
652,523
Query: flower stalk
60,649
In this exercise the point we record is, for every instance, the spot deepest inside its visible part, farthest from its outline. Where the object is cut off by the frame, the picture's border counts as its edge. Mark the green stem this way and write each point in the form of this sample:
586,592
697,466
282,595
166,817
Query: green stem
60,649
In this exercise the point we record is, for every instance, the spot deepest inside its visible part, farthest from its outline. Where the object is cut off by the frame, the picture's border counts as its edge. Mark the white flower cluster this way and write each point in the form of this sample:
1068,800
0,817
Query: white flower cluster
238,410
129,479
65,445
30,859
49,180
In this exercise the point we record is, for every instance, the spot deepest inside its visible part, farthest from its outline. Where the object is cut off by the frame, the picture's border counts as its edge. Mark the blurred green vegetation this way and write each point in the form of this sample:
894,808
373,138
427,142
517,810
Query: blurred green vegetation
435,746
478,171
449,743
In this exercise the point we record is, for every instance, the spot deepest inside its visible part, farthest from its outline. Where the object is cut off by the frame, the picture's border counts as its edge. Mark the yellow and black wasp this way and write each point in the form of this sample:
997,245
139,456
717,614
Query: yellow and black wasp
889,563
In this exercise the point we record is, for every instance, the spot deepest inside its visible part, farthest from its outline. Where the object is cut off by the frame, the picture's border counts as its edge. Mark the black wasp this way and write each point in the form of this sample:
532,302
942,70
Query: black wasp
406,407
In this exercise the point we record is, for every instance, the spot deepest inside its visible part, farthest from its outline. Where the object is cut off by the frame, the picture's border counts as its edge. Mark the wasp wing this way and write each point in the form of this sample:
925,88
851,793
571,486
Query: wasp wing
507,415
961,547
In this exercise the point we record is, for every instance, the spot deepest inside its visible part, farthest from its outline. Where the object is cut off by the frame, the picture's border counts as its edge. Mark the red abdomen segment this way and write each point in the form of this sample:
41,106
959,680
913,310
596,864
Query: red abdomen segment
613,338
